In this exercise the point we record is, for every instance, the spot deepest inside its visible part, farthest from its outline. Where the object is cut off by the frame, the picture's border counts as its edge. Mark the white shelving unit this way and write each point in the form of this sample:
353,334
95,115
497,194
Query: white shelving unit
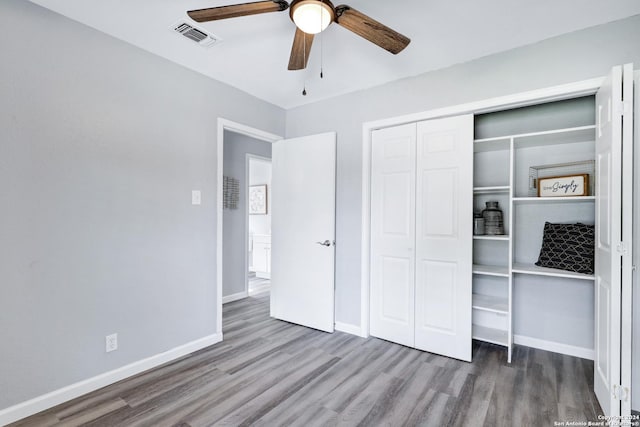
491,303
547,200
491,335
504,237
491,270
492,282
492,190
495,281
550,272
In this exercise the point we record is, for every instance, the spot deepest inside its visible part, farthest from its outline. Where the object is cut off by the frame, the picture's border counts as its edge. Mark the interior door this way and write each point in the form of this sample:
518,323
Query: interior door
392,280
610,242
444,237
303,231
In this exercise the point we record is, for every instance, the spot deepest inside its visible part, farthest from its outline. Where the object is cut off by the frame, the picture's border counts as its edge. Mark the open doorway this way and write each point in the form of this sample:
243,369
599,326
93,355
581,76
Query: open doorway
246,231
304,237
259,224
228,131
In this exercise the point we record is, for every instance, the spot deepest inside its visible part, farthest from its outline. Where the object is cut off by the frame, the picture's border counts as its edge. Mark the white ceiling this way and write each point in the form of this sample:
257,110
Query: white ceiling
254,53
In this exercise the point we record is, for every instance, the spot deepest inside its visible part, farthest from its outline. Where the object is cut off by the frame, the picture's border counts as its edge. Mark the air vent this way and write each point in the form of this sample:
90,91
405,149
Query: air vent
197,35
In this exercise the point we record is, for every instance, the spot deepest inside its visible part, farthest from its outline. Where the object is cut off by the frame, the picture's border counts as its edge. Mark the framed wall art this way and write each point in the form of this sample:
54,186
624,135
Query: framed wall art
258,199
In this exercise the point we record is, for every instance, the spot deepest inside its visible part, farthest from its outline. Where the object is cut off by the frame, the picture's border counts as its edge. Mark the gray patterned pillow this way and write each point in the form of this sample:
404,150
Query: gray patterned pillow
568,247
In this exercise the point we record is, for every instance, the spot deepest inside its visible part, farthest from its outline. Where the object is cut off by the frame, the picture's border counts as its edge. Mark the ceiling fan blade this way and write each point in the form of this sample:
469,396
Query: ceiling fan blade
300,51
236,10
371,29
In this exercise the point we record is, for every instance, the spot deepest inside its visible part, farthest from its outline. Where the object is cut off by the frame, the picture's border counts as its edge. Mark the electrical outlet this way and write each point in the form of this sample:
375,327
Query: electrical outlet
111,342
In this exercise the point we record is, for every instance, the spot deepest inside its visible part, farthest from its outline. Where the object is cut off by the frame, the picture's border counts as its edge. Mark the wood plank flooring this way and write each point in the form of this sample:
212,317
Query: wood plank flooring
258,285
272,373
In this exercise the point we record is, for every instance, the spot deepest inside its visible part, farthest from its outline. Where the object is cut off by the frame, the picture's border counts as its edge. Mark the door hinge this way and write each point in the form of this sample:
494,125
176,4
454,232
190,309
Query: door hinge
623,108
620,393
621,248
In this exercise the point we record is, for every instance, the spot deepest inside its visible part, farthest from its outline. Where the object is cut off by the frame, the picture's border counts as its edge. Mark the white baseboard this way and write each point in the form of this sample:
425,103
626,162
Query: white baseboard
49,400
582,352
235,297
349,329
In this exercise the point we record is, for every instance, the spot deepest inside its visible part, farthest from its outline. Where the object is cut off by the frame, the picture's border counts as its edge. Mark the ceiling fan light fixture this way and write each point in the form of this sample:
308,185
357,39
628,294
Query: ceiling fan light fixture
312,16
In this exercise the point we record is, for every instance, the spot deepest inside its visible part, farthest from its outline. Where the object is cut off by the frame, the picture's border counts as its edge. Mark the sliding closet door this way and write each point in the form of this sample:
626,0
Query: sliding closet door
444,203
393,171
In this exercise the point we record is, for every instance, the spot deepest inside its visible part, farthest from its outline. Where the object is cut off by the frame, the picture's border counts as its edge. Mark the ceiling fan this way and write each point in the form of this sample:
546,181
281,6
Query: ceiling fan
311,17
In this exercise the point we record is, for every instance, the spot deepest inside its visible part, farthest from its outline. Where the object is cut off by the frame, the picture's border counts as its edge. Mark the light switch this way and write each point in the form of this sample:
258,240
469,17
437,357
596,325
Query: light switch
196,197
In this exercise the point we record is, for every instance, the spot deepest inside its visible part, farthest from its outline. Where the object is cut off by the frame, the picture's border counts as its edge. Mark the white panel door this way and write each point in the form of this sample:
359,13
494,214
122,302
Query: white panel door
628,88
303,231
444,206
608,259
393,234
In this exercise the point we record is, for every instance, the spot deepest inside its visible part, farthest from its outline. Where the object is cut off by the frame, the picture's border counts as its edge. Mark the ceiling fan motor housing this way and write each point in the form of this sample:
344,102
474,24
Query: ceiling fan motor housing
299,6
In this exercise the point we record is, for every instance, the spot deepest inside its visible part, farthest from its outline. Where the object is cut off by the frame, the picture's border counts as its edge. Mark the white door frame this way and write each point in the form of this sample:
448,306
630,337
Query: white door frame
247,170
224,124
555,93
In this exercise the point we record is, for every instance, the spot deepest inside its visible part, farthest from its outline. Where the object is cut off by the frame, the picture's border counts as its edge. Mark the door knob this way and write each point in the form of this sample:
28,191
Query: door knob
325,243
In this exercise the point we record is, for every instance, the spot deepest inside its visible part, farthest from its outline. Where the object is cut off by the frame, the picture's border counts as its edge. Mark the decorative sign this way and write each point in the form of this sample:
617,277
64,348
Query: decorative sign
563,186
258,200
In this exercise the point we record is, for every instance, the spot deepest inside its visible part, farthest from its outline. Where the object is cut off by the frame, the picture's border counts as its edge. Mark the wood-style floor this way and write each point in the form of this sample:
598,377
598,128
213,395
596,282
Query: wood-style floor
272,373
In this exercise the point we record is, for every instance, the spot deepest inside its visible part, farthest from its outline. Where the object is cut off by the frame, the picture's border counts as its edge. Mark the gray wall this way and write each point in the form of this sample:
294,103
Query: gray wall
581,55
236,148
101,144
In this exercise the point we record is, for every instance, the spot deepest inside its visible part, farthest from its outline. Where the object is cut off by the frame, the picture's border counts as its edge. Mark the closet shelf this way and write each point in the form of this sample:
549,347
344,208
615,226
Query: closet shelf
504,237
490,270
541,200
491,190
490,303
555,137
537,139
491,335
552,272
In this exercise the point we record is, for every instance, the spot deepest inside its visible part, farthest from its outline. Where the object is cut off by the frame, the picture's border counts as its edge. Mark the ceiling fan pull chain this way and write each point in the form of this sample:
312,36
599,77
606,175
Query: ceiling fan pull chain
304,58
321,46
321,56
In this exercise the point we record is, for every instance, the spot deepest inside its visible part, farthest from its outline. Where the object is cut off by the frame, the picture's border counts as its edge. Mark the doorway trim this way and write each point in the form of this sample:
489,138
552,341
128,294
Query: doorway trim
522,99
224,124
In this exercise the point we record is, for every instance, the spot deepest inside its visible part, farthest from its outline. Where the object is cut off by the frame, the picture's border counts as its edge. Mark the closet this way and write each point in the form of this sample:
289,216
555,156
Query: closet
552,307
435,285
